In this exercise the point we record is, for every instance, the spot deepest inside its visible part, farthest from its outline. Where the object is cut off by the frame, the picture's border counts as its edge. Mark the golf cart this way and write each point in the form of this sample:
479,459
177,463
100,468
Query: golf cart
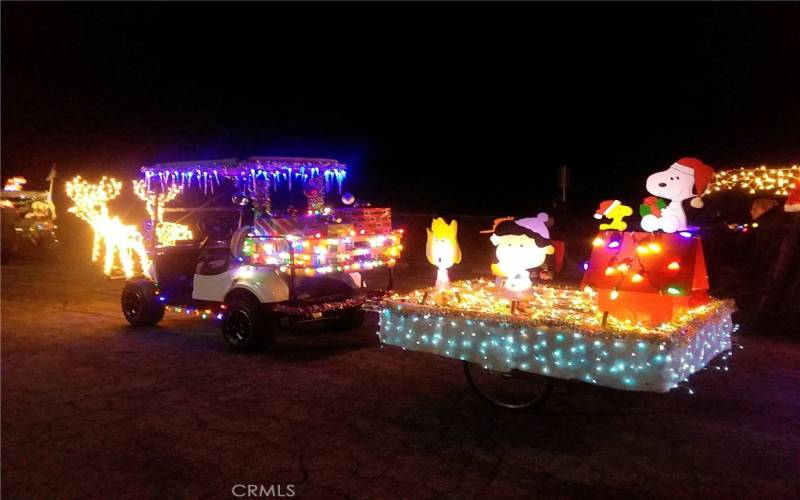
28,220
253,267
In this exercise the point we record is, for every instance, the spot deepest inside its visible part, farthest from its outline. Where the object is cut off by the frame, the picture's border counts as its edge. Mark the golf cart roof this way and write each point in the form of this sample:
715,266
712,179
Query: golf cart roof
277,169
233,167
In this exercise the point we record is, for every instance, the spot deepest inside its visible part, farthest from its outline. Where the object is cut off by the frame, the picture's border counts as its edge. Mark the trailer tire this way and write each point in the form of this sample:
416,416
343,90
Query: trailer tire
246,326
140,304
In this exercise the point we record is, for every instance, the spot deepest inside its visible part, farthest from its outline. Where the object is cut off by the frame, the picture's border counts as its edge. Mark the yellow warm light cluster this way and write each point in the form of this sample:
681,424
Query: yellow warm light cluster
778,181
167,233
120,242
14,184
549,306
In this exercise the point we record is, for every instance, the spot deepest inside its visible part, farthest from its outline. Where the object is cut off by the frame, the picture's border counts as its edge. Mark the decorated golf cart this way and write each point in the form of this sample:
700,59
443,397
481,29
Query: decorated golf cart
28,219
249,264
641,320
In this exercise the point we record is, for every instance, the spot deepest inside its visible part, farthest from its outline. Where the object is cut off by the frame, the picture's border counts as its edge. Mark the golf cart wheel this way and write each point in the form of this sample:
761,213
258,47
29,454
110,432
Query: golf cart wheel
246,327
348,319
515,390
140,303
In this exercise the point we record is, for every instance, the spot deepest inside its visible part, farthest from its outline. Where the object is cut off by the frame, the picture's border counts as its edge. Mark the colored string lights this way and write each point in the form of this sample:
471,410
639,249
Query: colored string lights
315,254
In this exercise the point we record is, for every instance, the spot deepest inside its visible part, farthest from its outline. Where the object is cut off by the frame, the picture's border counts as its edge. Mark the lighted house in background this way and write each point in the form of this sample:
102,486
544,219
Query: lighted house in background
647,277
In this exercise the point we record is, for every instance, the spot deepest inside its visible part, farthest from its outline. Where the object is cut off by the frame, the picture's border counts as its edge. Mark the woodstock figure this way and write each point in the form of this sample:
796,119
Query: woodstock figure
521,245
118,239
167,233
442,250
684,179
614,210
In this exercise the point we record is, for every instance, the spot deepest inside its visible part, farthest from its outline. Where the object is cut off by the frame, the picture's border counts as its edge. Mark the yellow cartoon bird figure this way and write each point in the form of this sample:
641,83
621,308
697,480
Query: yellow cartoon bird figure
614,210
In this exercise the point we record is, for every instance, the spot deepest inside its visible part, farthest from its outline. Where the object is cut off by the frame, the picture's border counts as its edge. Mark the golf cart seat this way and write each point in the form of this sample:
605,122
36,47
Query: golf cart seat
175,268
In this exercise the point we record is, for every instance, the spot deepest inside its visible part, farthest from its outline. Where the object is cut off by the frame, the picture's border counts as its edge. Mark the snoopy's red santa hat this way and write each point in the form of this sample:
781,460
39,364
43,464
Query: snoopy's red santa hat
702,173
606,207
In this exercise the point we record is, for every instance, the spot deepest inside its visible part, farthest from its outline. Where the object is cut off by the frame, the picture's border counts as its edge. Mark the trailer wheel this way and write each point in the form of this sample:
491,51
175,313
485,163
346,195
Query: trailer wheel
140,303
515,391
348,319
246,327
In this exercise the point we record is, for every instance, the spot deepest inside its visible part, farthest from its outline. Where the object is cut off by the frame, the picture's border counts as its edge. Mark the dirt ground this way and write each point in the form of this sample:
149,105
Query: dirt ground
92,408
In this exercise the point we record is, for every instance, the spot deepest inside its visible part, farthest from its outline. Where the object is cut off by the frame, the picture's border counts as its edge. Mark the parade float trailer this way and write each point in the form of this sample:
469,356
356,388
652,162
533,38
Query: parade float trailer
642,319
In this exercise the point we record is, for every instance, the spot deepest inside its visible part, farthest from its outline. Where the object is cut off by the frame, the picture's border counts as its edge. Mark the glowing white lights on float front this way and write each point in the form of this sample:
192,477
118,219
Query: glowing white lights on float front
560,335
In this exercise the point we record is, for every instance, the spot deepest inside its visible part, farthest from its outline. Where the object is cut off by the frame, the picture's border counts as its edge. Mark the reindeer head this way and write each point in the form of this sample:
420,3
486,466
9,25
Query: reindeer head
154,203
91,200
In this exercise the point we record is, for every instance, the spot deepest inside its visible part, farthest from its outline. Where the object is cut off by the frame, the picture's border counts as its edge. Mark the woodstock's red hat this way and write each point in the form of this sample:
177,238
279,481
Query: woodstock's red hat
605,208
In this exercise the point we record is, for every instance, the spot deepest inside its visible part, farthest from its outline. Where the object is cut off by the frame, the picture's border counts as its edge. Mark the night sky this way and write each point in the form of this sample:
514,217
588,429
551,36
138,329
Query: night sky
447,108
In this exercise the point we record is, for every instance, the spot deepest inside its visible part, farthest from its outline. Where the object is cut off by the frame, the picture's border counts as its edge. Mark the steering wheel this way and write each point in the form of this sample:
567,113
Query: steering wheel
215,228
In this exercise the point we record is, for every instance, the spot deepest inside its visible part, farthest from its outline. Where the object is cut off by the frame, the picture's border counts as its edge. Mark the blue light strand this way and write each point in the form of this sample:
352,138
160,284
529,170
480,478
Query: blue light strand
656,365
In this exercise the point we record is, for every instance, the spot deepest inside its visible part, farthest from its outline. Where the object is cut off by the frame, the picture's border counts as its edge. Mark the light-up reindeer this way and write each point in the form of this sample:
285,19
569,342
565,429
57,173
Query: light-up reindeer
117,239
167,233
442,249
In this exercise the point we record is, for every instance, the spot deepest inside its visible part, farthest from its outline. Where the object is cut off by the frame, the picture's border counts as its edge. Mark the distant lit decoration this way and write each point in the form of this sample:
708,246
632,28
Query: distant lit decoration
793,201
743,228
348,199
119,242
614,210
442,249
647,278
280,171
560,333
773,180
521,245
686,178
167,233
14,184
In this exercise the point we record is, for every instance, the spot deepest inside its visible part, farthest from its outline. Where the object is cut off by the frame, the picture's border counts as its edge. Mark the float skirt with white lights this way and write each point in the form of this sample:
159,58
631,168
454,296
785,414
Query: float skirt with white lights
560,333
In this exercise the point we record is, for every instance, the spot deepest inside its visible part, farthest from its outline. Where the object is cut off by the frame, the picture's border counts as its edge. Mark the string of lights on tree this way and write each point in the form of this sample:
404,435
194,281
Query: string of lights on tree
773,180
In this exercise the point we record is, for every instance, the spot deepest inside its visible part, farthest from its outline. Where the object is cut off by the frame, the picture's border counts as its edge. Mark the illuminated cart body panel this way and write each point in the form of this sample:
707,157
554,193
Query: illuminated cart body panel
544,342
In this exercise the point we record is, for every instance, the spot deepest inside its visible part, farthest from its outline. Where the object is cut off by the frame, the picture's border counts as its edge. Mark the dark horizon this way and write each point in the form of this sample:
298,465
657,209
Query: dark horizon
468,111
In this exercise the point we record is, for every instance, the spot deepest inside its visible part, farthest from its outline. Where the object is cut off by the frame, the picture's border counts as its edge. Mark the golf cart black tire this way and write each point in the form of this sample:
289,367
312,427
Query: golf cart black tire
246,326
140,304
528,406
348,319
